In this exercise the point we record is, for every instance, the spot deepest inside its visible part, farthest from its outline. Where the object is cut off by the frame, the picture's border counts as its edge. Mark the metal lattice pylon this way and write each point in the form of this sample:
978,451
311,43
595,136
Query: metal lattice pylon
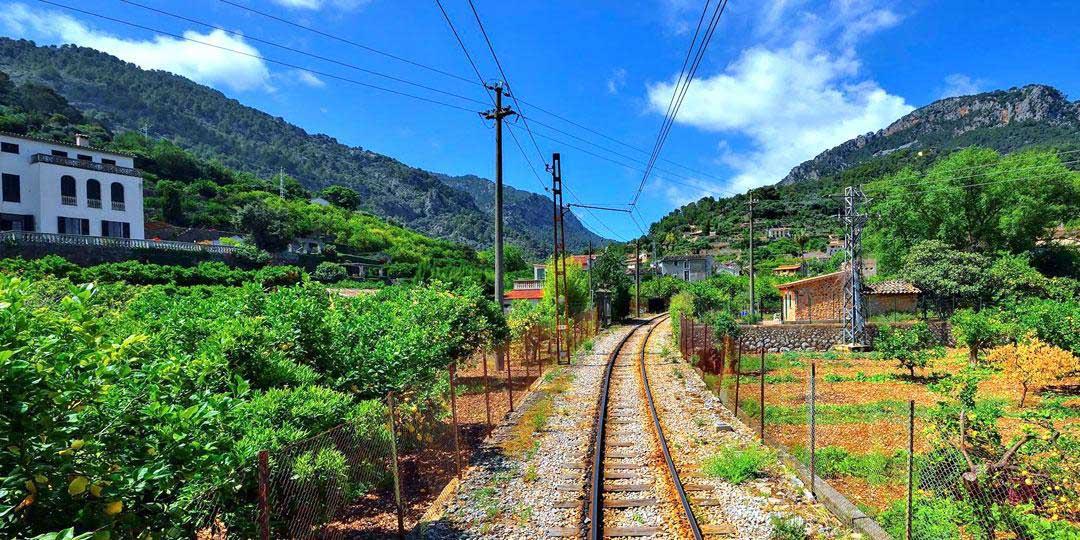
853,315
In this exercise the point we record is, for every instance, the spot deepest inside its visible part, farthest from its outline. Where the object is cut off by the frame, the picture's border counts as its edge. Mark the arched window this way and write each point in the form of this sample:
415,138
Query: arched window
67,191
117,193
93,193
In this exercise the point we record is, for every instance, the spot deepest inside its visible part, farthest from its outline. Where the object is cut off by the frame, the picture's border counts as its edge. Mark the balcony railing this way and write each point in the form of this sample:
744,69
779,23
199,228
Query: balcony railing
528,284
83,164
93,203
118,206
24,237
68,200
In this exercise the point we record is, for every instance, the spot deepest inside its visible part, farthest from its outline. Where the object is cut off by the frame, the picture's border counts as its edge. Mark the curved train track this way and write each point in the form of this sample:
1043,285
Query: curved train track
633,487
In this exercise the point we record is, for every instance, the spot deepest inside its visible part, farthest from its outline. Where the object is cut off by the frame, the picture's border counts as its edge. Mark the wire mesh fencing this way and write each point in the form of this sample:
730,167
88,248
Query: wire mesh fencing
918,462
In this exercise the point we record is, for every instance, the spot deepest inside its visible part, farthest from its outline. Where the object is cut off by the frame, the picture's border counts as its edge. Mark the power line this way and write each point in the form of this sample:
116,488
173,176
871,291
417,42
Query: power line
299,51
517,100
512,92
344,40
674,111
257,56
461,44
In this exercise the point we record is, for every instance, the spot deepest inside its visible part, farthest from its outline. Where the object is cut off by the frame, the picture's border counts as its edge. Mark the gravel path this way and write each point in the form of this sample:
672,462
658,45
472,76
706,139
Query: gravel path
697,426
517,482
508,493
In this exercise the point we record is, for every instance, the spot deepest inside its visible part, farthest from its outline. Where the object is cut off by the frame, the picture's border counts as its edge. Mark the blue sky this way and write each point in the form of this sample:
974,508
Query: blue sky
782,80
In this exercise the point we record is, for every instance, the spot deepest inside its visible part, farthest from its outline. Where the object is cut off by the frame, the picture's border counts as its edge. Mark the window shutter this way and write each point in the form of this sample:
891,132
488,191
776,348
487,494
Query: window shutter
60,225
127,230
85,226
104,228
28,223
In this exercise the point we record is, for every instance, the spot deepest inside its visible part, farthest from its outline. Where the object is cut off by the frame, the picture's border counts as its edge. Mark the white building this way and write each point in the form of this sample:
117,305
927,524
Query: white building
687,267
56,187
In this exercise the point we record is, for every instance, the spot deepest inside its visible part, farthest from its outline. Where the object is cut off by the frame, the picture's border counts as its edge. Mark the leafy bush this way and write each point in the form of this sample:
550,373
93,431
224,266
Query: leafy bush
737,465
788,528
911,348
933,517
328,272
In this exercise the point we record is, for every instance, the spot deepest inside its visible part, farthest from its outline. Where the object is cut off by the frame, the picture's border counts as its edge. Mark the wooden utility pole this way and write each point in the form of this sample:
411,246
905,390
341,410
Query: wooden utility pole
497,114
751,254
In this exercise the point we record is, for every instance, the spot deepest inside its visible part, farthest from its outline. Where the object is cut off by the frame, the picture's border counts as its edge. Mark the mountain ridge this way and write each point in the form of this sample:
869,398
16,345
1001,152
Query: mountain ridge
212,125
950,122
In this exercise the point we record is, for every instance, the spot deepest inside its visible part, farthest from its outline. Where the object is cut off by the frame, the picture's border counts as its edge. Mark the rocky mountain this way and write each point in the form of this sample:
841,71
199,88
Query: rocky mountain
122,96
1005,120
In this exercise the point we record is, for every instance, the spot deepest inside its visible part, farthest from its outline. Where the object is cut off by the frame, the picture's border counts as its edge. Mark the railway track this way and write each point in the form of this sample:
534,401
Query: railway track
631,485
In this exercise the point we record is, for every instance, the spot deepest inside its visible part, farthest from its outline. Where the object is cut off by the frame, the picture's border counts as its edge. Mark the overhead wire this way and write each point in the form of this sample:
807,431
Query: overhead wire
299,51
517,99
344,40
665,130
257,56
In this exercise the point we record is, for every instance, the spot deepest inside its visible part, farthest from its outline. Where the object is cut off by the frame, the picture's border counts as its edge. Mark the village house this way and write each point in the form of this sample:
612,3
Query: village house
821,298
835,246
788,270
773,233
687,267
61,188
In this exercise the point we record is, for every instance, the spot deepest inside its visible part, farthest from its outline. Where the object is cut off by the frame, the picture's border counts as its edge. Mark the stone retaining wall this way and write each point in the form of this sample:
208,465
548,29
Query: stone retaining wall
818,336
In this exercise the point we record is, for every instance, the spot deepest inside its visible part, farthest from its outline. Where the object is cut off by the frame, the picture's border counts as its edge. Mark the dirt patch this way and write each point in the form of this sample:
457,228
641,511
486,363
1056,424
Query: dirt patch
887,437
864,493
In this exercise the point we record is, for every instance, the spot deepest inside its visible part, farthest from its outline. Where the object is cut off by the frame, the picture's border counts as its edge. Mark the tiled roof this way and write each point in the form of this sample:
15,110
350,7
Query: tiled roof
804,281
524,294
892,286
789,267
67,144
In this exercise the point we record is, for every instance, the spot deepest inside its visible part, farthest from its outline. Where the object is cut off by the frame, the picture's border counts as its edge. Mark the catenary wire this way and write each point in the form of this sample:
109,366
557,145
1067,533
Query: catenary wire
258,56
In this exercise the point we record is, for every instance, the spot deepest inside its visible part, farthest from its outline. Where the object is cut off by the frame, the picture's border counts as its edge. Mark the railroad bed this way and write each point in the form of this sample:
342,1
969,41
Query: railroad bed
548,489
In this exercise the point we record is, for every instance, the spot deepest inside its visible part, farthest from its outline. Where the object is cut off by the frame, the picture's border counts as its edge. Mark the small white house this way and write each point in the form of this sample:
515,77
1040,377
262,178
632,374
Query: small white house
56,187
687,267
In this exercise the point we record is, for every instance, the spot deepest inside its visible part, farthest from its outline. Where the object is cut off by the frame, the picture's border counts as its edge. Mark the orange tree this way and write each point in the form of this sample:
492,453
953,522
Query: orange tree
1033,363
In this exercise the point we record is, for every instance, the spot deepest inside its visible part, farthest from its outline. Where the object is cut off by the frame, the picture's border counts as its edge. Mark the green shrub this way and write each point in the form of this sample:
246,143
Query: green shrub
736,465
788,528
329,272
933,517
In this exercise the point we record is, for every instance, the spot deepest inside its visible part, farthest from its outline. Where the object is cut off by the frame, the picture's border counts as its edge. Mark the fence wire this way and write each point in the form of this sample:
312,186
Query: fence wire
866,432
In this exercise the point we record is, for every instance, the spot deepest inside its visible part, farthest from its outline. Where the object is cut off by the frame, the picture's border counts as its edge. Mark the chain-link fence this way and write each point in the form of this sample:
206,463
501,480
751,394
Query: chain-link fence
920,463
375,476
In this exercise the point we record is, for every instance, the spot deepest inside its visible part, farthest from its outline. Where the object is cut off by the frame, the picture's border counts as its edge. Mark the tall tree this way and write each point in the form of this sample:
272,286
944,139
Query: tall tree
973,200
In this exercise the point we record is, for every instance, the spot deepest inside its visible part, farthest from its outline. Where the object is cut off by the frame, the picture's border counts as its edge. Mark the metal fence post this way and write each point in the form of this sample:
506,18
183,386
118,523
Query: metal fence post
453,418
813,430
761,420
264,495
738,376
539,359
910,463
394,463
693,343
509,380
487,392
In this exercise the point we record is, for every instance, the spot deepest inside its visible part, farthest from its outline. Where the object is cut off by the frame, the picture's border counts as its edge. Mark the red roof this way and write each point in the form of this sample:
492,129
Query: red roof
524,294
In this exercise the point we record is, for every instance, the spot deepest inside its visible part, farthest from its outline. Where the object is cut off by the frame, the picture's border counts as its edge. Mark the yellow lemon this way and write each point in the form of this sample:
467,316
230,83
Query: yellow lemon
95,490
77,444
78,485
114,508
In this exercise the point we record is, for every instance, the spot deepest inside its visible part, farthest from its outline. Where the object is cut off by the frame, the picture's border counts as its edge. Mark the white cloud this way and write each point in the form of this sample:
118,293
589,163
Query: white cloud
617,81
959,84
790,104
309,79
320,4
198,62
795,93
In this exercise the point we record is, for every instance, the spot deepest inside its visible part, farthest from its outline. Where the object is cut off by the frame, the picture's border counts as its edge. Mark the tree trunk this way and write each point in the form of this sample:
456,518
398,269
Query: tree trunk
973,355
1023,395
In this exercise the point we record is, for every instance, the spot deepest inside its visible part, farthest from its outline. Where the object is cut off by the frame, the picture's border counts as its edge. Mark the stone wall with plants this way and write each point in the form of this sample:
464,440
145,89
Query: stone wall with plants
818,336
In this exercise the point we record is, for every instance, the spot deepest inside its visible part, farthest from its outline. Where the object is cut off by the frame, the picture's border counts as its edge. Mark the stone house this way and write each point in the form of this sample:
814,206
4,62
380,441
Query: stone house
788,269
687,267
821,298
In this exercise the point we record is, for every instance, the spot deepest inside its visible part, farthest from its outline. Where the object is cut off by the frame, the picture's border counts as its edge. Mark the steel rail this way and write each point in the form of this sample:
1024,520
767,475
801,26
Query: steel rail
596,510
683,498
